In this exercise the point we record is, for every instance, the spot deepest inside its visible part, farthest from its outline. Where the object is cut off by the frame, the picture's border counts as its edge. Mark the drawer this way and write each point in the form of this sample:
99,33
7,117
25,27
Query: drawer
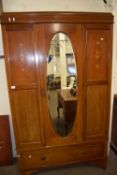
32,159
49,157
62,156
5,154
94,153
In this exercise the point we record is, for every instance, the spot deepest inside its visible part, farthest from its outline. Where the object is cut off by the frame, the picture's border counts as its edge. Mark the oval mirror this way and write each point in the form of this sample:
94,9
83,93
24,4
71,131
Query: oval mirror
61,84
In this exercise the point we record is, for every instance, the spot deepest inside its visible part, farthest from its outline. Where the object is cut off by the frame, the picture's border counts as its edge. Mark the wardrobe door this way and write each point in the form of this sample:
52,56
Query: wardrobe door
62,117
21,64
98,71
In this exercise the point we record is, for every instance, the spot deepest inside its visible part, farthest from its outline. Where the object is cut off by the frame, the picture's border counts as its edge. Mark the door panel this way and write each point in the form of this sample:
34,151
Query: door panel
97,55
98,71
75,34
24,86
22,56
27,115
96,111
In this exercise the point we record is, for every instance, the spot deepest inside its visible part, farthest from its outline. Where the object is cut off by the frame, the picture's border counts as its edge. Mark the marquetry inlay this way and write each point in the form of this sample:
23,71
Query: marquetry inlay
98,51
97,55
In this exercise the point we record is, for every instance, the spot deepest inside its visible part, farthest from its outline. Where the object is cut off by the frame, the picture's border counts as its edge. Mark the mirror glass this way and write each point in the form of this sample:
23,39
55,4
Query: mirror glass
61,84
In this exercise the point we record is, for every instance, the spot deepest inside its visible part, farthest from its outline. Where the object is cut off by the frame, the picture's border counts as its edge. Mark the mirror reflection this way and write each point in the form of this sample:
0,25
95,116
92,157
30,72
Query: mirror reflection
61,84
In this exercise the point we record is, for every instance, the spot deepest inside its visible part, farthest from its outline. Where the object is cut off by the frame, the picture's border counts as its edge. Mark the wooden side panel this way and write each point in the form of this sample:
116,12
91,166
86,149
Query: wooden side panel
4,129
6,157
97,55
96,111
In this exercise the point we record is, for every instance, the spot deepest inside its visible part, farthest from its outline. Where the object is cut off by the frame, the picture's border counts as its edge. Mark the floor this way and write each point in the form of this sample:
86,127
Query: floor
70,170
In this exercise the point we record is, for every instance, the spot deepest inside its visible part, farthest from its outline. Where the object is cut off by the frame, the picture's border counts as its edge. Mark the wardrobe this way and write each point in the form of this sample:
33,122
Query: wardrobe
27,39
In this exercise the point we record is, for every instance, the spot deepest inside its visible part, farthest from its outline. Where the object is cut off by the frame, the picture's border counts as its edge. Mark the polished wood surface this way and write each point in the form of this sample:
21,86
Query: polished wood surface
26,109
97,52
96,111
50,157
22,55
23,85
46,17
27,38
6,157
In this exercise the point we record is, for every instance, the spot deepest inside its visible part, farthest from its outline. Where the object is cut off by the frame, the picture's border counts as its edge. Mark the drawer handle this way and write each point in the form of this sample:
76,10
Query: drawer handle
13,87
29,156
13,18
9,19
43,158
18,155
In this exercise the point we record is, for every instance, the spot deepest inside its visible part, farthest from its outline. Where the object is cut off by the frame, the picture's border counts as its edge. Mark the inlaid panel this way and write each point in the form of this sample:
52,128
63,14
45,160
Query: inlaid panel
27,116
96,111
97,55
21,56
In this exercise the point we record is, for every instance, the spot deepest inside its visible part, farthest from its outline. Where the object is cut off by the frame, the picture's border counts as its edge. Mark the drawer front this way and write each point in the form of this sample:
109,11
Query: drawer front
94,153
74,154
32,159
62,156
50,157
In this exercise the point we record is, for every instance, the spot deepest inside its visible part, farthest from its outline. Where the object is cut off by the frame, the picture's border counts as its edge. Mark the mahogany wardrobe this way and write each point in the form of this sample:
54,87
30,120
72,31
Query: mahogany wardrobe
58,68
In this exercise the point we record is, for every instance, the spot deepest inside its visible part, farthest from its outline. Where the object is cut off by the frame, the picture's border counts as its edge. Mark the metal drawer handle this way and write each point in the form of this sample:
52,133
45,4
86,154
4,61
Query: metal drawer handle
13,18
9,19
29,156
18,155
13,87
